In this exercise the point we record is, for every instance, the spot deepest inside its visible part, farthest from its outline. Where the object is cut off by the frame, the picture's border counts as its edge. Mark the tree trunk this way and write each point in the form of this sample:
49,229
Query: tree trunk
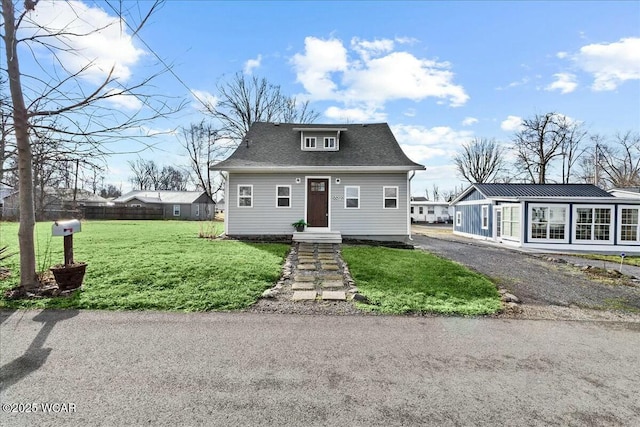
28,278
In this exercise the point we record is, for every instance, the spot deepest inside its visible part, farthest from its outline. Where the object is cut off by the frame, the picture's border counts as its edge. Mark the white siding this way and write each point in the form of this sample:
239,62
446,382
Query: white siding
371,219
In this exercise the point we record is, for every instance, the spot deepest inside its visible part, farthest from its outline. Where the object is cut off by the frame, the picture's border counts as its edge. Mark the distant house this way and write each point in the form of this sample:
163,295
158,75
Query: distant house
424,210
220,206
191,205
549,217
53,203
342,180
629,192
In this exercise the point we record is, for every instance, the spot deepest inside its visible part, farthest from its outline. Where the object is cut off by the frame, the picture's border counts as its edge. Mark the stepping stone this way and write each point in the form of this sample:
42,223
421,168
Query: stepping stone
332,284
301,278
305,253
325,250
307,267
325,256
304,296
334,295
330,267
306,260
331,277
329,261
303,286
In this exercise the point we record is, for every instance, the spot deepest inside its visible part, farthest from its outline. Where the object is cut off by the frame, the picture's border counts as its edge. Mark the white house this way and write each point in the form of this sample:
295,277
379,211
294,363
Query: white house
424,210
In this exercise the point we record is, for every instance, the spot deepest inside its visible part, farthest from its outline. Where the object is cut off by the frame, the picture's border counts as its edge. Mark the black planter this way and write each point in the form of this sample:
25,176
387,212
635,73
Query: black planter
300,228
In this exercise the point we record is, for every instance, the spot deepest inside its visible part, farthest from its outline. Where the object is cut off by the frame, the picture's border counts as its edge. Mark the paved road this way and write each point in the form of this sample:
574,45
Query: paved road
533,279
136,368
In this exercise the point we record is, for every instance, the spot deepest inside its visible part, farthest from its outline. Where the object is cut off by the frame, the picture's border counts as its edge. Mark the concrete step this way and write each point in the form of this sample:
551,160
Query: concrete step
317,237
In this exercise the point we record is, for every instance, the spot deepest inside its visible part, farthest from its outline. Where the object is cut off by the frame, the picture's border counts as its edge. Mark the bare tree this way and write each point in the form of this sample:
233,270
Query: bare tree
141,179
541,140
173,179
480,160
66,103
7,145
435,192
618,163
205,147
110,191
247,99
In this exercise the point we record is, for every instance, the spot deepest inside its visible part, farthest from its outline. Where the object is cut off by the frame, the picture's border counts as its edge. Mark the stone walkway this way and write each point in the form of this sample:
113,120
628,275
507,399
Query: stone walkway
318,272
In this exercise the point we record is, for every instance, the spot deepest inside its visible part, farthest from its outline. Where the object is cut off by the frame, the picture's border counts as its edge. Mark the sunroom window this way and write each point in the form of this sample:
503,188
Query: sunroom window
629,224
548,222
593,223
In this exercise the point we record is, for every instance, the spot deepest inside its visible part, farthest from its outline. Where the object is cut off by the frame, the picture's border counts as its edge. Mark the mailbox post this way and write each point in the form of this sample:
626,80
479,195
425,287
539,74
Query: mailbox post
69,275
66,229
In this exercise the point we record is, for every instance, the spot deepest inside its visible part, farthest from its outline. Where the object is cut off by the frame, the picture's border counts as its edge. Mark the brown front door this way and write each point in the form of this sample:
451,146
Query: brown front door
318,202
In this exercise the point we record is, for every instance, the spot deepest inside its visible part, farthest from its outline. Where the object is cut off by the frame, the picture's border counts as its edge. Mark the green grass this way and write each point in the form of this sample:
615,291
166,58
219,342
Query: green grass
615,259
400,281
158,265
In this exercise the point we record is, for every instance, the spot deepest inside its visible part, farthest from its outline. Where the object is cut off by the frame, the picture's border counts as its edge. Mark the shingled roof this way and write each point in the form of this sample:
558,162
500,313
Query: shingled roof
524,191
273,146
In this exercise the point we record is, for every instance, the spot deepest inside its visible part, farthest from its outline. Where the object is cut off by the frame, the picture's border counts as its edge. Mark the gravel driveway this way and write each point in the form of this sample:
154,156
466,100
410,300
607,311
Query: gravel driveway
532,278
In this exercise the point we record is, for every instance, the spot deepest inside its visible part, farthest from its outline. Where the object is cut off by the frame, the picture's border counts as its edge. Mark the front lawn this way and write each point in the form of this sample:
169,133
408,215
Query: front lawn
401,281
159,265
614,259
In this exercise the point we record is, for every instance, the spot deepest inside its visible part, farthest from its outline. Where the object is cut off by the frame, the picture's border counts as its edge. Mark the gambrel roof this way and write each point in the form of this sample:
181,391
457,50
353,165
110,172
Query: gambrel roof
277,146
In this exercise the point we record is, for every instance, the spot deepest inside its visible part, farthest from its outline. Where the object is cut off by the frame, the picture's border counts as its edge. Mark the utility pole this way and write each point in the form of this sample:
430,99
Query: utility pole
595,166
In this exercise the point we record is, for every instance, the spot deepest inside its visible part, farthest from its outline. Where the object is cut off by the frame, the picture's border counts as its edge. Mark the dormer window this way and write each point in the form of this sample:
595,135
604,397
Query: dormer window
320,139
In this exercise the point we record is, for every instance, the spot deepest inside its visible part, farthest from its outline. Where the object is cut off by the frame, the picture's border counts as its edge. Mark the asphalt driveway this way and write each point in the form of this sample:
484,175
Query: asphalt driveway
176,369
532,278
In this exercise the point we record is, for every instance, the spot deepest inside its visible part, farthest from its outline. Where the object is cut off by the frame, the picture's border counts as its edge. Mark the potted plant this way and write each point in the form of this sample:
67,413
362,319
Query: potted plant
300,225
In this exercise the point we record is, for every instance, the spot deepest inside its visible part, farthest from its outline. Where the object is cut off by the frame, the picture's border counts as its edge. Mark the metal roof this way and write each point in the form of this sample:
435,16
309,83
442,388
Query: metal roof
273,146
540,190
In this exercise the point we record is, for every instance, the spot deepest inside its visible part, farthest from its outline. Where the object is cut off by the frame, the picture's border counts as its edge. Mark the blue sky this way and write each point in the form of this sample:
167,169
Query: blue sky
440,73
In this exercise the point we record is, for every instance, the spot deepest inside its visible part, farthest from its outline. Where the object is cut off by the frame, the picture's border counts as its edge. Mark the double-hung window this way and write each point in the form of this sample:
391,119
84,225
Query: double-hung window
390,195
593,223
351,197
176,210
329,142
629,224
511,222
485,217
245,196
458,218
283,196
549,222
310,142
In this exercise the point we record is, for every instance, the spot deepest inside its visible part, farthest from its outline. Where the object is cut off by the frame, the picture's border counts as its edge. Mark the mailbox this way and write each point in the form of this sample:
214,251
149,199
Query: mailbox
65,228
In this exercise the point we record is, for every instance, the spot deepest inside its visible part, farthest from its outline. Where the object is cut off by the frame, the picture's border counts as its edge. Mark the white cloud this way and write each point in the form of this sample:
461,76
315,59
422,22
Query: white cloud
422,144
565,83
252,64
127,102
468,121
203,99
511,123
92,39
610,64
561,55
521,82
377,73
355,115
314,68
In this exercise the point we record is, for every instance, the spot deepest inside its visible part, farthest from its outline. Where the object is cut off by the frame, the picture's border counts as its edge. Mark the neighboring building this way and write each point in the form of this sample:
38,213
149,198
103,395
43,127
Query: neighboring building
349,181
628,192
423,210
191,205
220,206
549,216
53,203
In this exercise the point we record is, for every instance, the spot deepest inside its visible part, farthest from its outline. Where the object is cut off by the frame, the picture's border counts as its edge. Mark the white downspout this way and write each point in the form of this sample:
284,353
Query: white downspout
409,178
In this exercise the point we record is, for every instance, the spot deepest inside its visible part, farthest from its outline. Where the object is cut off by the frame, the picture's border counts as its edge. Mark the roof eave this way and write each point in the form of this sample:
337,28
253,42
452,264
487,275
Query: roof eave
342,169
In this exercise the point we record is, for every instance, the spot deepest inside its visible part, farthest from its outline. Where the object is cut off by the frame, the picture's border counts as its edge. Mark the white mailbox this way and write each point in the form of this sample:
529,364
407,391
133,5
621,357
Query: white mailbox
65,228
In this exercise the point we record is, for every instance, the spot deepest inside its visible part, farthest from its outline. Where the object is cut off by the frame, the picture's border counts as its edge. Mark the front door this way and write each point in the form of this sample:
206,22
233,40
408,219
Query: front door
318,202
